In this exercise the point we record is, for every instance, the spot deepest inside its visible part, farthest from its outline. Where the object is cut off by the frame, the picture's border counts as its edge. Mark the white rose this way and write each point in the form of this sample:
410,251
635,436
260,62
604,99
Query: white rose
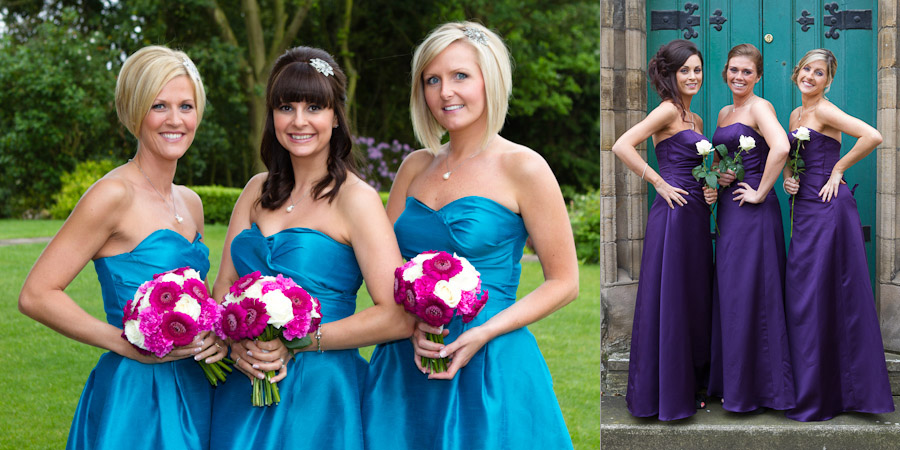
802,134
313,313
279,308
133,333
254,291
172,277
704,147
747,143
444,291
191,273
413,273
188,305
145,300
422,257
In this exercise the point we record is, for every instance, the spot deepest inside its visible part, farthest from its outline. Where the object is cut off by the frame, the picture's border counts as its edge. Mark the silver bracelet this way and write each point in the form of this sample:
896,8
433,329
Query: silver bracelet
319,339
645,170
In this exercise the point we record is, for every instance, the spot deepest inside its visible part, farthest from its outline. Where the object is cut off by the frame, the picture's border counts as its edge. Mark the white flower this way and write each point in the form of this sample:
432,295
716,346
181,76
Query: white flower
422,257
255,289
191,273
747,143
802,134
278,307
188,305
467,278
173,278
313,313
704,147
133,333
444,291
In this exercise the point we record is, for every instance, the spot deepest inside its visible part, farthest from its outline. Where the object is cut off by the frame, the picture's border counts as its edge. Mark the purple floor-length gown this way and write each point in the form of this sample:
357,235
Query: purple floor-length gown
750,364
833,330
671,333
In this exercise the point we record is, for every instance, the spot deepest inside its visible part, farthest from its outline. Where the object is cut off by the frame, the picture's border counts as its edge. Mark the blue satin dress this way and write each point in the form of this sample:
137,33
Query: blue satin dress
129,404
320,397
503,398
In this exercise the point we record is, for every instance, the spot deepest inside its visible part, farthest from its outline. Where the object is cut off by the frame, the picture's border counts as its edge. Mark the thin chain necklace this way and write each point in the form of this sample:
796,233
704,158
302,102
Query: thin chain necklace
291,206
449,171
178,218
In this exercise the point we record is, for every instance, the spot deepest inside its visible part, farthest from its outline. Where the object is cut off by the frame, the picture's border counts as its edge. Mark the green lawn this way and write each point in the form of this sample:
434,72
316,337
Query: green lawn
44,373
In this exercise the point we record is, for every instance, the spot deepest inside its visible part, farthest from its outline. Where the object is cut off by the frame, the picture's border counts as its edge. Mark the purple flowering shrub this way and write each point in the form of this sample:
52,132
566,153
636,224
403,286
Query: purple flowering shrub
381,160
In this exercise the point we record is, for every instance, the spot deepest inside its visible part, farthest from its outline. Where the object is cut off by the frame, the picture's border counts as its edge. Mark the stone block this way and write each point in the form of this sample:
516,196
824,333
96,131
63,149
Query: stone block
636,14
607,219
607,173
887,47
607,263
607,129
887,89
607,13
618,302
886,123
887,13
635,90
889,316
620,84
607,85
636,50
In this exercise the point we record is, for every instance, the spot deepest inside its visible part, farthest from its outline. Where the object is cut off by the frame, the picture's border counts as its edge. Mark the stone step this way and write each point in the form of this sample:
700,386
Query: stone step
614,374
715,428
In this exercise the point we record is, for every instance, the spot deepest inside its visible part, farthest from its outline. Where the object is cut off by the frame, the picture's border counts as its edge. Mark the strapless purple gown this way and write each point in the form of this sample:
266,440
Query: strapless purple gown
671,333
750,361
833,330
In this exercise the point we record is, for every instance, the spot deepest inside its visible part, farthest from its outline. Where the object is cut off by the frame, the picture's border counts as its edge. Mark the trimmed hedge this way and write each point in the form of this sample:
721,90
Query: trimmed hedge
584,214
218,201
75,183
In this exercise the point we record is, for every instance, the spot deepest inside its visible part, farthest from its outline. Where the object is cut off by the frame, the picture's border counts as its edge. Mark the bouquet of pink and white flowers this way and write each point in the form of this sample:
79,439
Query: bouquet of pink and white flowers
435,286
169,311
266,308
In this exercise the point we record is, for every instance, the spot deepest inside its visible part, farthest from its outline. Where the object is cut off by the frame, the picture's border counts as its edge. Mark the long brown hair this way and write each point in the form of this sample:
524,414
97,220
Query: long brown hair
665,64
294,79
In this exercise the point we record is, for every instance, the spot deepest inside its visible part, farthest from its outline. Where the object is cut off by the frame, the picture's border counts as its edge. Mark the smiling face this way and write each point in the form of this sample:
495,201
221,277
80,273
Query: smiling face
454,87
812,79
303,128
689,76
741,75
168,128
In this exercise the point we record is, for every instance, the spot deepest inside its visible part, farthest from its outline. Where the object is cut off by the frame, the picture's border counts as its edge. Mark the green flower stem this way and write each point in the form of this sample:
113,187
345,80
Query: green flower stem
436,365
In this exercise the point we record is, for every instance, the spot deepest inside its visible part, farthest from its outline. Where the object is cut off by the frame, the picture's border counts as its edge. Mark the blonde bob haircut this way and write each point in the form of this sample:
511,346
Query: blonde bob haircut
144,75
819,54
496,69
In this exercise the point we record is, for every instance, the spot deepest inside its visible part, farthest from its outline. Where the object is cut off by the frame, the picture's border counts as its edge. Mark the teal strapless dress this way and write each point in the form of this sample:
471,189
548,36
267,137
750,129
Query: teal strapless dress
503,398
129,404
320,397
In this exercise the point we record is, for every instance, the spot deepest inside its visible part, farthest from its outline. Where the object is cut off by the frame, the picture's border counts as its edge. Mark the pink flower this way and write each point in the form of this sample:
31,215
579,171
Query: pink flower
256,318
232,321
130,311
179,328
179,271
434,311
442,266
472,309
300,299
195,288
164,295
399,285
280,283
244,282
297,328
209,314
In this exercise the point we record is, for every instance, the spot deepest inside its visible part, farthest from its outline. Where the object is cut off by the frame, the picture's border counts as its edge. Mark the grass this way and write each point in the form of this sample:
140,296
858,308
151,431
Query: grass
44,372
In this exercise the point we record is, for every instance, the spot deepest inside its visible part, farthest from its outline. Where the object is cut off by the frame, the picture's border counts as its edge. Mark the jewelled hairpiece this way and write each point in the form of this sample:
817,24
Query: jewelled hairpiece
321,66
191,68
476,35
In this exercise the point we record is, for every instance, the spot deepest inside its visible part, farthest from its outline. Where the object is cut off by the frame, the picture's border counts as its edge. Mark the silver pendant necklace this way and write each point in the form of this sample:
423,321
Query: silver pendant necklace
178,218
291,206
449,171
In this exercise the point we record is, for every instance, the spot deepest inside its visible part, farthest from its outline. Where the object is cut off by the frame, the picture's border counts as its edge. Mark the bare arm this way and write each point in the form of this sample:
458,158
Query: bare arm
625,149
867,139
764,115
544,214
377,254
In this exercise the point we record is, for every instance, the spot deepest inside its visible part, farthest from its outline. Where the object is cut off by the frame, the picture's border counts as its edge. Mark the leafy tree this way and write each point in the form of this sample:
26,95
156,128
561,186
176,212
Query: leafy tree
58,110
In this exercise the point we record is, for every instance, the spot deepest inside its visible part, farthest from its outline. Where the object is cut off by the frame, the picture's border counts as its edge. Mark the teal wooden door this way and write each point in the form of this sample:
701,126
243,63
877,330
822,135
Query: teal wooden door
783,31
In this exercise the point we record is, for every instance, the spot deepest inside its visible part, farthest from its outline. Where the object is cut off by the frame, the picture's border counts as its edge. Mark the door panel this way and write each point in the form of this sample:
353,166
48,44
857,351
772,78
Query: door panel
854,88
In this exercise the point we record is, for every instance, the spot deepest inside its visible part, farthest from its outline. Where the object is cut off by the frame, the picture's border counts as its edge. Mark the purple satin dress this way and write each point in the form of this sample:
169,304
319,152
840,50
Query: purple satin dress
833,330
671,333
750,360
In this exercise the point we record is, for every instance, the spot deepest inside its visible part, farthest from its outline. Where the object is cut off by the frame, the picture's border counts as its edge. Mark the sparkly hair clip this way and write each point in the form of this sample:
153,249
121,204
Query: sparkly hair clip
321,66
476,35
191,68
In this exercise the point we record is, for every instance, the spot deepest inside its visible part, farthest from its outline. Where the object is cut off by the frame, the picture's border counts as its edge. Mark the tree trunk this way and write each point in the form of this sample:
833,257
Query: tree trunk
349,69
